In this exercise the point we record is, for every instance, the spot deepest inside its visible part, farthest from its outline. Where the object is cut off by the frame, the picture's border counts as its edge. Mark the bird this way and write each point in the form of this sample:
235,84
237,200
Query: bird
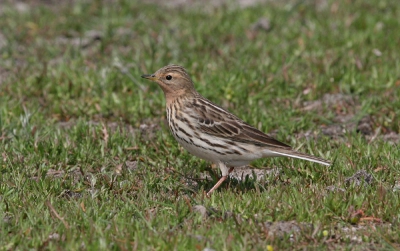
212,133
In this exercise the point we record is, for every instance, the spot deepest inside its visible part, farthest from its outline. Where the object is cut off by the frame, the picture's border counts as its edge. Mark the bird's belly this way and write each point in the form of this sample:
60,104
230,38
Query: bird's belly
198,150
231,156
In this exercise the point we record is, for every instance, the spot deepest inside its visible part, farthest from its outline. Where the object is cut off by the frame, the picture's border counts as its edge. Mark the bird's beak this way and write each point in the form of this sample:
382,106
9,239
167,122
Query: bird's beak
150,77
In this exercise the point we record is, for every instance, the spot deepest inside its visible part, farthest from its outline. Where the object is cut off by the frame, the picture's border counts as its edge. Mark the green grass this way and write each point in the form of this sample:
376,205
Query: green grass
87,161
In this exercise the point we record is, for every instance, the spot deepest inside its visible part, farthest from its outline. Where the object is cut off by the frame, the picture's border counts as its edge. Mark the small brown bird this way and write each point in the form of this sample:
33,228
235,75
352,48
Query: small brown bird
211,132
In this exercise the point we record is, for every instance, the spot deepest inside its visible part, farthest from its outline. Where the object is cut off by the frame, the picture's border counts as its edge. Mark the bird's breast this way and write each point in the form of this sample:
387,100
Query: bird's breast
210,147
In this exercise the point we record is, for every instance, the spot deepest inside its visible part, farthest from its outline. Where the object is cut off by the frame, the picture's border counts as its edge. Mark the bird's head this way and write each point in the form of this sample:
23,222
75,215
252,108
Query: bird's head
174,81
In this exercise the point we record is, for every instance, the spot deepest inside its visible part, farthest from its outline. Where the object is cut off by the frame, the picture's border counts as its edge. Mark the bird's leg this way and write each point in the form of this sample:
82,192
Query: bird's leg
225,172
222,179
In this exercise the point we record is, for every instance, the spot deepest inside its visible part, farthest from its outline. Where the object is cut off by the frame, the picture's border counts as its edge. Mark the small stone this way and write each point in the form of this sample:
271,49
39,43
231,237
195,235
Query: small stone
208,249
201,210
262,24
360,177
54,236
335,189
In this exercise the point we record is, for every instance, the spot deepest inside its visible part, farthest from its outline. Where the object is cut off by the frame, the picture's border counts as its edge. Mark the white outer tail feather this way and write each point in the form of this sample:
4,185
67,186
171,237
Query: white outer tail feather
304,156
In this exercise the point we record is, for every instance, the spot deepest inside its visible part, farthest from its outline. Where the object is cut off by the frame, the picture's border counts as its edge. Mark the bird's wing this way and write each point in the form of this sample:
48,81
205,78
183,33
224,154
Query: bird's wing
218,122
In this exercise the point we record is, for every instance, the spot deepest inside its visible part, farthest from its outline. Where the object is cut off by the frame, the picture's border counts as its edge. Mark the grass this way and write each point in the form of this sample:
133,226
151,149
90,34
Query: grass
87,161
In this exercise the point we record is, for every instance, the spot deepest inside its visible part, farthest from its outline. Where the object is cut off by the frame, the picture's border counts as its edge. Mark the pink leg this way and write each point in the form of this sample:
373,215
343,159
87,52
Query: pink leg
220,181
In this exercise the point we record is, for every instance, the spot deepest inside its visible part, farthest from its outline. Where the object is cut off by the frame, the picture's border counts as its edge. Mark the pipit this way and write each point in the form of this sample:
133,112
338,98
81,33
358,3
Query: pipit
211,132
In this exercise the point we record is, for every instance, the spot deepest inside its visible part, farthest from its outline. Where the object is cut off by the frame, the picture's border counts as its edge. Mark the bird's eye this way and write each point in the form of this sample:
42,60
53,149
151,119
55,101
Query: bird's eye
168,77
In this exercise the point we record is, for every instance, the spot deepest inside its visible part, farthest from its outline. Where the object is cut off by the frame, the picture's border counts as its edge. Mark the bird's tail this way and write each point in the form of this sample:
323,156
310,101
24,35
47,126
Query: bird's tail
299,155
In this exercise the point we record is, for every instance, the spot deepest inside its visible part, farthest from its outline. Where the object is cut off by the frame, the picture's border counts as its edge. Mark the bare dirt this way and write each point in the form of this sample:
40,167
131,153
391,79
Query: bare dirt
348,119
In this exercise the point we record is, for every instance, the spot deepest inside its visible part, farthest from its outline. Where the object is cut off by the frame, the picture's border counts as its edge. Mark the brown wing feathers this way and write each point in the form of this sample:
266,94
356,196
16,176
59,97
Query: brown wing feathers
212,121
